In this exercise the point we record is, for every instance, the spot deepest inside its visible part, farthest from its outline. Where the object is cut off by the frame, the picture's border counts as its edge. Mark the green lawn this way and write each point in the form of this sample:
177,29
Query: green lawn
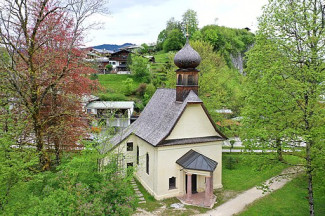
113,87
250,170
289,200
114,82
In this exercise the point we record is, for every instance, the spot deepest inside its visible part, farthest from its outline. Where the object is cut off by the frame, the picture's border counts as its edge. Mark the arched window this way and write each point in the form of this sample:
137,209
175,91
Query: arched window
147,163
172,183
138,155
179,80
190,80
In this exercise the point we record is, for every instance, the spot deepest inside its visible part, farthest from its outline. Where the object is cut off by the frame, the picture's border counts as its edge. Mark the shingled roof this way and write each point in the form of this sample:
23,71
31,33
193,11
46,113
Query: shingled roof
195,161
158,118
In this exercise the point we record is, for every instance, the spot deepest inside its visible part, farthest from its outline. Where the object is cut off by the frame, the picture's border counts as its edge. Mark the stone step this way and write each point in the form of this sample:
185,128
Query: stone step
142,202
141,199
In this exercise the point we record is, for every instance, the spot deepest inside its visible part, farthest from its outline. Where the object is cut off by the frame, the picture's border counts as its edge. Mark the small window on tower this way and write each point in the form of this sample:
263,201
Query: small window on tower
190,80
179,80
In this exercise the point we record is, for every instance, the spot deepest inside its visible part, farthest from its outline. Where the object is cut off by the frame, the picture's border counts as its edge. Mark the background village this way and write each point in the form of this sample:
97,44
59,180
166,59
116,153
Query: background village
206,121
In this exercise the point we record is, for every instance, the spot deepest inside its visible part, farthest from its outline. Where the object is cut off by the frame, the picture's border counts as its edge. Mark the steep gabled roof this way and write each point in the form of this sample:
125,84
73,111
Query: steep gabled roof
195,161
158,118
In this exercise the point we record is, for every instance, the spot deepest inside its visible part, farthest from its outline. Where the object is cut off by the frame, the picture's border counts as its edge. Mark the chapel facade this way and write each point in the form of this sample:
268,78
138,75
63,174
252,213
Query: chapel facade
174,145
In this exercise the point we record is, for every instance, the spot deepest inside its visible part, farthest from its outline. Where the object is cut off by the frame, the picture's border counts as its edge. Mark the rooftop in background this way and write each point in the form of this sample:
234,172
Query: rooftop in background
110,105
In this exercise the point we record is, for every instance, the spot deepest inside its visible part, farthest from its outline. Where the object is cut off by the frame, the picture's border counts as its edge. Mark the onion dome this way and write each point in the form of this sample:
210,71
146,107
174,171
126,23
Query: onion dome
187,57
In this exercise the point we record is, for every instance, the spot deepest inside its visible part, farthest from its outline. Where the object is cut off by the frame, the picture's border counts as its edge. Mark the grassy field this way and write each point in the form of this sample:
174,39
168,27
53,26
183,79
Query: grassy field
250,170
290,200
114,82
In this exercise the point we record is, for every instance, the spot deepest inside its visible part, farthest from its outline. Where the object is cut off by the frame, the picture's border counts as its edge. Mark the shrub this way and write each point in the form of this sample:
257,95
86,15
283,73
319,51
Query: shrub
128,83
109,67
140,69
76,187
93,76
141,89
230,163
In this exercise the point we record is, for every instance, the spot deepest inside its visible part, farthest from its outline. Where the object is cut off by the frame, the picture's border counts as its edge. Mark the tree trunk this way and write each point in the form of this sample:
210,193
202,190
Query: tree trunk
279,149
57,151
44,160
310,179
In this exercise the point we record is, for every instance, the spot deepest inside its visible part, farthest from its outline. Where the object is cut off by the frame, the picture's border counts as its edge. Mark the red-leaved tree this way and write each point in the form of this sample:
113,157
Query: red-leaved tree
45,71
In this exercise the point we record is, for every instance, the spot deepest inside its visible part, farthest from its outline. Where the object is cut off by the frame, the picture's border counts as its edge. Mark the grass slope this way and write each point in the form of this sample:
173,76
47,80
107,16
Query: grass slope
114,82
250,170
289,200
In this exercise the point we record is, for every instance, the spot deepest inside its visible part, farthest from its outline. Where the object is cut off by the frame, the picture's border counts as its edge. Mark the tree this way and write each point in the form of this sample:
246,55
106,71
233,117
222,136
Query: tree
173,24
190,22
161,39
45,67
267,111
139,68
174,41
144,49
109,68
291,37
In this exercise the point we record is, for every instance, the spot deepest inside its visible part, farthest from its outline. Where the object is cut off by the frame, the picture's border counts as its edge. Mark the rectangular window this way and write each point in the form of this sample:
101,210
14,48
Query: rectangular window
172,183
129,165
89,111
129,146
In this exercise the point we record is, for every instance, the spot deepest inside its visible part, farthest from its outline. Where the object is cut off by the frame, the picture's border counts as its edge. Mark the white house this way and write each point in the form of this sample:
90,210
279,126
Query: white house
174,145
111,113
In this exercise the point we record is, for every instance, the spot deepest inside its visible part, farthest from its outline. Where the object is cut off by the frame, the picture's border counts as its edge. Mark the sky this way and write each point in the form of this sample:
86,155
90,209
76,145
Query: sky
140,21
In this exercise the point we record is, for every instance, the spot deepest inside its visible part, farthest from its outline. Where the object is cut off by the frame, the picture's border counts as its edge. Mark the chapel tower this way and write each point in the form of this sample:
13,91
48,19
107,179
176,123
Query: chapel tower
187,76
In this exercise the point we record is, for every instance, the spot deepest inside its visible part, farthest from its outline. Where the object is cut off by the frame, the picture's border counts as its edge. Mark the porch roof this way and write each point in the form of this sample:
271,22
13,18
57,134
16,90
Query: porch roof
195,161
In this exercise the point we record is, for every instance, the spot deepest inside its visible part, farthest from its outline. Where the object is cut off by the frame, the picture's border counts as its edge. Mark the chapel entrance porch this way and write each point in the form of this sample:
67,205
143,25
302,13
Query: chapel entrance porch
198,170
192,197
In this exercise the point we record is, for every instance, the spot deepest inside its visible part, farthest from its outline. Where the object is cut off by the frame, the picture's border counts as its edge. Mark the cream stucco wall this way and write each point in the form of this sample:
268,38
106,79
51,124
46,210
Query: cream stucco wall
167,168
193,123
148,181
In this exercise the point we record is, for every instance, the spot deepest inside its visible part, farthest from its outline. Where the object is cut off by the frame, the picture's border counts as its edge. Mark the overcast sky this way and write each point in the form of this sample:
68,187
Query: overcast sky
140,21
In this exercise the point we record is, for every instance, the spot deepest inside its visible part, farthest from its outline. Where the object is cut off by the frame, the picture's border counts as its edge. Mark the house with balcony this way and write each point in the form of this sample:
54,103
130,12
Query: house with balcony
113,114
119,61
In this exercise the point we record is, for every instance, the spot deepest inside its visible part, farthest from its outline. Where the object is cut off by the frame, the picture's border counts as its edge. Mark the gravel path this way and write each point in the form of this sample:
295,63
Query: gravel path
238,204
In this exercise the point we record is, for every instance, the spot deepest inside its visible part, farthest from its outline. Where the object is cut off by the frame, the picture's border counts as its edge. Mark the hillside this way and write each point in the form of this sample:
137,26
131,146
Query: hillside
113,47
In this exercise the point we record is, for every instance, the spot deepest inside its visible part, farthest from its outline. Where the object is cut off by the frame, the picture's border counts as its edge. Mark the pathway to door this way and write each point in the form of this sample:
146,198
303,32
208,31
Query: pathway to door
238,204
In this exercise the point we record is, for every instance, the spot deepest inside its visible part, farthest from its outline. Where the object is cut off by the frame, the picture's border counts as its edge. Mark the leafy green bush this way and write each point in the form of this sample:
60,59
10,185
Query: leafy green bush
94,76
140,68
174,41
76,187
109,67
128,83
150,90
141,89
